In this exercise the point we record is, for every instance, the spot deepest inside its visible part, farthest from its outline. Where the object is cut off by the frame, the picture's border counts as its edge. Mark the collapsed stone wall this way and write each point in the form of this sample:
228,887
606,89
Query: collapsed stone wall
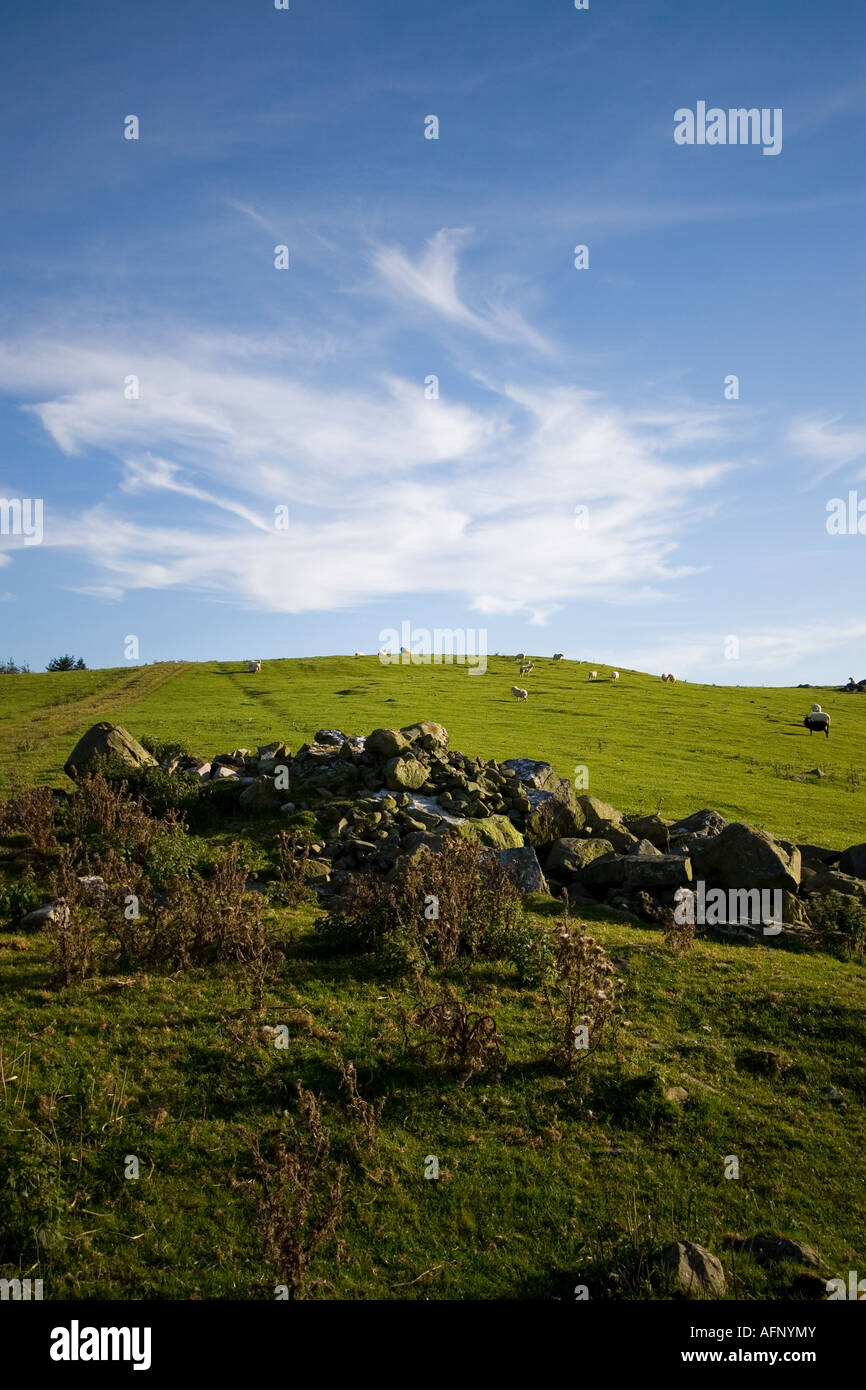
399,791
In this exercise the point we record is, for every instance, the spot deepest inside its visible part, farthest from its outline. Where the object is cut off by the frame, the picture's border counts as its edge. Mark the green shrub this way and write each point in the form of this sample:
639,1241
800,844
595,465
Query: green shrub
458,902
104,821
174,854
163,748
161,792
839,920
30,810
530,950
20,897
66,663
158,792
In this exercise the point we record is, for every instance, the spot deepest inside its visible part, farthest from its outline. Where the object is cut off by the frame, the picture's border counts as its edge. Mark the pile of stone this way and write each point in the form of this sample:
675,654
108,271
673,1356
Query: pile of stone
399,791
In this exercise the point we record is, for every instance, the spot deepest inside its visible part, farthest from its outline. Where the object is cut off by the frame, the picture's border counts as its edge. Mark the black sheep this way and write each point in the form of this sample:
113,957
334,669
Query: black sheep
816,722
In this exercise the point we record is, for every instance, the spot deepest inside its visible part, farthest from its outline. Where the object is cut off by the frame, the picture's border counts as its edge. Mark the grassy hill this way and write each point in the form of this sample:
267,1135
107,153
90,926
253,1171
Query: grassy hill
647,746
547,1180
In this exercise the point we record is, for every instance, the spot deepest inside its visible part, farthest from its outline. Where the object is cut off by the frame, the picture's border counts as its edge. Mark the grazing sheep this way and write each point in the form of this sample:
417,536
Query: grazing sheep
526,668
557,656
521,656
253,666
593,675
817,720
518,693
404,651
669,677
614,675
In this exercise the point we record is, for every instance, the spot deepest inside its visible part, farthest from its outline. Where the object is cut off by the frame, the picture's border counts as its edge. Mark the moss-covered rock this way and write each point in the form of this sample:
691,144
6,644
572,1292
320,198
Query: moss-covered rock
496,832
106,741
405,774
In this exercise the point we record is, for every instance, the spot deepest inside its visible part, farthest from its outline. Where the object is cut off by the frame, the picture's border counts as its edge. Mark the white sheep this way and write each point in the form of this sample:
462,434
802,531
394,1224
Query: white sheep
593,675
526,668
359,653
557,656
671,678
521,656
614,675
253,666
518,693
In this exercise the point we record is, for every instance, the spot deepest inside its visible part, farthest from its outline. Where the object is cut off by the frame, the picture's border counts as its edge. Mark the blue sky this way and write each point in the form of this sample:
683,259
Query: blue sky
305,388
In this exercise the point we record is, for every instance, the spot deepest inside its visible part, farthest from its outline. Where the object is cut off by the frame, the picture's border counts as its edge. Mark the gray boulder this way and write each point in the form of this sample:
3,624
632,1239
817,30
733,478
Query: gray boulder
428,733
742,857
608,871
405,774
622,840
552,815
387,743
832,881
538,775
273,752
853,861
773,1249
597,814
705,823
696,1271
432,840
636,871
261,797
103,741
568,857
523,866
496,832
653,828
816,858
657,871
644,847
40,915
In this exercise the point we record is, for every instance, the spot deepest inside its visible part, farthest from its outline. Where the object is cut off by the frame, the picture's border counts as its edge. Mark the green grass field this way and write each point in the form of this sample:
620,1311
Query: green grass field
646,745
544,1184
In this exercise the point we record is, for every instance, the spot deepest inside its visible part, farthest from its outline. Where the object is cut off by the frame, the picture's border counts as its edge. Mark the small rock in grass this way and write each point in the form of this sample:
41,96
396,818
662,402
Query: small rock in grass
697,1271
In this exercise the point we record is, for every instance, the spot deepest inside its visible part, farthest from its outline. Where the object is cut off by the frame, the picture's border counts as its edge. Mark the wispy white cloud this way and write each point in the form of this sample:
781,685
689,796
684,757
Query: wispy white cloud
431,281
389,493
393,496
783,648
819,441
253,215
